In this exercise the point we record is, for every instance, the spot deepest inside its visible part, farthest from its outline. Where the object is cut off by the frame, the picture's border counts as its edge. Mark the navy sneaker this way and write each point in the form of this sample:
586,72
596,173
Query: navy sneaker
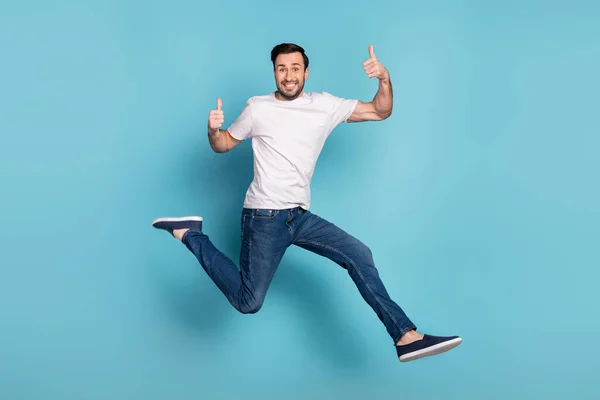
428,346
170,224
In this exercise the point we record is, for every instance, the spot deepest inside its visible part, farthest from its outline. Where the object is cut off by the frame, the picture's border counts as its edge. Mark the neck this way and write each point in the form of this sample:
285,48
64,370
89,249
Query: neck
278,96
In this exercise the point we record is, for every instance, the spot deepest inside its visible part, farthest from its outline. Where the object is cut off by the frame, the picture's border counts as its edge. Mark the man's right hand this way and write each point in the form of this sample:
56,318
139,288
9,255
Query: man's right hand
216,119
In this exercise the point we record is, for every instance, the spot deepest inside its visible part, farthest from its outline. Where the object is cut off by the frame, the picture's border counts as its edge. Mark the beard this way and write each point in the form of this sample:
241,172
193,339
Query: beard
290,95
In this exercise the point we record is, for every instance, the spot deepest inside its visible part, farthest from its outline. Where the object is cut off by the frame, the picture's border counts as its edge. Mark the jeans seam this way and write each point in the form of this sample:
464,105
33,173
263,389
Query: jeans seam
249,227
360,275
217,272
184,240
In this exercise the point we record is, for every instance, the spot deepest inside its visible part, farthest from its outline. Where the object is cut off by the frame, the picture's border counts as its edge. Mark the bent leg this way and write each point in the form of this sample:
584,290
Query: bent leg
326,239
265,238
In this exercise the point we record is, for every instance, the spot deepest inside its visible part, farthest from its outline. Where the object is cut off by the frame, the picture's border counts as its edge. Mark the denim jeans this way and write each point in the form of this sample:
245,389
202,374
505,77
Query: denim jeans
266,234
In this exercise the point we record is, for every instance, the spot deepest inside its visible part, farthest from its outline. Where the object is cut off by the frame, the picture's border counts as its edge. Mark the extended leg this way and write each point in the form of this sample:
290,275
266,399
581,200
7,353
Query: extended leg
324,238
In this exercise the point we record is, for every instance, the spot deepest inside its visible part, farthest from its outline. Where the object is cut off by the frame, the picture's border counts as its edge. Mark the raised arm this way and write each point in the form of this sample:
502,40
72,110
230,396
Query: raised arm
381,106
220,140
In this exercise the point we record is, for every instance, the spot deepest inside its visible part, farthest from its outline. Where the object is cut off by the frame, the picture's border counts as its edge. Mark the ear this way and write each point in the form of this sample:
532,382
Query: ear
306,74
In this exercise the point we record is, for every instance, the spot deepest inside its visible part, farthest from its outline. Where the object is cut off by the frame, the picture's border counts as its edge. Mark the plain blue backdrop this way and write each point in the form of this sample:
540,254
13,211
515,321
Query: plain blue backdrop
479,198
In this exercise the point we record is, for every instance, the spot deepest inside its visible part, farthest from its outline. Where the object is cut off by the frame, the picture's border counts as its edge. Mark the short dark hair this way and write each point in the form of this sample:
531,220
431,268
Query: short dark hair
287,48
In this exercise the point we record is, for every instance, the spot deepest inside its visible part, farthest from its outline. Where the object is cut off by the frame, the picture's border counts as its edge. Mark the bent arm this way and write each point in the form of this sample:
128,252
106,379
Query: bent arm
221,141
379,108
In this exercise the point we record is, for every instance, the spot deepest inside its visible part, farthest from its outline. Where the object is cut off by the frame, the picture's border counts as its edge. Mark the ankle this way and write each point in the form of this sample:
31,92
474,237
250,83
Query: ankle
409,337
178,233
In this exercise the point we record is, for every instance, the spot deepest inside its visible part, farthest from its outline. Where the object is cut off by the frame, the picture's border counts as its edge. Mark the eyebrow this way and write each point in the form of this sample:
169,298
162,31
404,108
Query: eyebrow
282,65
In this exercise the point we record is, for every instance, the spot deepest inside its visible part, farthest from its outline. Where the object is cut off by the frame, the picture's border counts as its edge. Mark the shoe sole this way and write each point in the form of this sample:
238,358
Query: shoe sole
178,219
431,351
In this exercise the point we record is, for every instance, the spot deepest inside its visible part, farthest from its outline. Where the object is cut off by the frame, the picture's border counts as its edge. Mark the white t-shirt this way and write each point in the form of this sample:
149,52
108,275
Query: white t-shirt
287,138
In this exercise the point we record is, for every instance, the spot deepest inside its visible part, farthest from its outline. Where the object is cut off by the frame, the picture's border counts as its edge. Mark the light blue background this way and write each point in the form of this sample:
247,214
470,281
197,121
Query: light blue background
479,198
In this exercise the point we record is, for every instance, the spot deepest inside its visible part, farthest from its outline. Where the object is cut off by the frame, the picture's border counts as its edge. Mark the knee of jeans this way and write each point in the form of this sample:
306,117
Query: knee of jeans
363,252
251,306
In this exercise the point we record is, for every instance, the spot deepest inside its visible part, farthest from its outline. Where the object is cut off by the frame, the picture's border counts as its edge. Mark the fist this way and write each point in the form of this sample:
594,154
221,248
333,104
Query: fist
373,67
216,118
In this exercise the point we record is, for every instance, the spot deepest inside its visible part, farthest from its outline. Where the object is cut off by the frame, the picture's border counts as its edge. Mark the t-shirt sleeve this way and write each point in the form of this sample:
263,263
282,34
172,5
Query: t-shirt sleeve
241,127
340,108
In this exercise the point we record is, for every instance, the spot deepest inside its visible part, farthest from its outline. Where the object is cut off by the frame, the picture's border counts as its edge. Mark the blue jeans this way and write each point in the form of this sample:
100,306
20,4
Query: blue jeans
266,234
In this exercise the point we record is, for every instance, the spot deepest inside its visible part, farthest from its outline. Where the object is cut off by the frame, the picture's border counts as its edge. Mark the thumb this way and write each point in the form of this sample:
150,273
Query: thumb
219,104
371,53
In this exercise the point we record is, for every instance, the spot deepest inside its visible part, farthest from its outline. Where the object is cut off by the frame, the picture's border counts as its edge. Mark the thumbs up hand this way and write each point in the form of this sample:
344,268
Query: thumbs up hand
216,118
373,67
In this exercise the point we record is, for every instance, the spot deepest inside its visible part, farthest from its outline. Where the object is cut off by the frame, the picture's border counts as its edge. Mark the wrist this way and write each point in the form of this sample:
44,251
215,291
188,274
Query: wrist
385,78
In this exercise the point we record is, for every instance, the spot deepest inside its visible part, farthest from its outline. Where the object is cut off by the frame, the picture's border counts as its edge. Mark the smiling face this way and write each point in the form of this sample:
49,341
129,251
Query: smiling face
290,75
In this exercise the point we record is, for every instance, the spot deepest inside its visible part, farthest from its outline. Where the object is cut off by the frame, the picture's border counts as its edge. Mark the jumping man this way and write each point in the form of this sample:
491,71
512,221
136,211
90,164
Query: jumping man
288,128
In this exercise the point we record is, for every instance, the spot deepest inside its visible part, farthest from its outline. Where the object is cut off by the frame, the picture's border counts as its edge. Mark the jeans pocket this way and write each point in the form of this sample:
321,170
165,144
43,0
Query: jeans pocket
264,214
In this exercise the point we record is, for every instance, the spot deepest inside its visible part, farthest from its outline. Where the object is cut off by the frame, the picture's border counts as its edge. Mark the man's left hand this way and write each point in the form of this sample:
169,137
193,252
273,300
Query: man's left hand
373,67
